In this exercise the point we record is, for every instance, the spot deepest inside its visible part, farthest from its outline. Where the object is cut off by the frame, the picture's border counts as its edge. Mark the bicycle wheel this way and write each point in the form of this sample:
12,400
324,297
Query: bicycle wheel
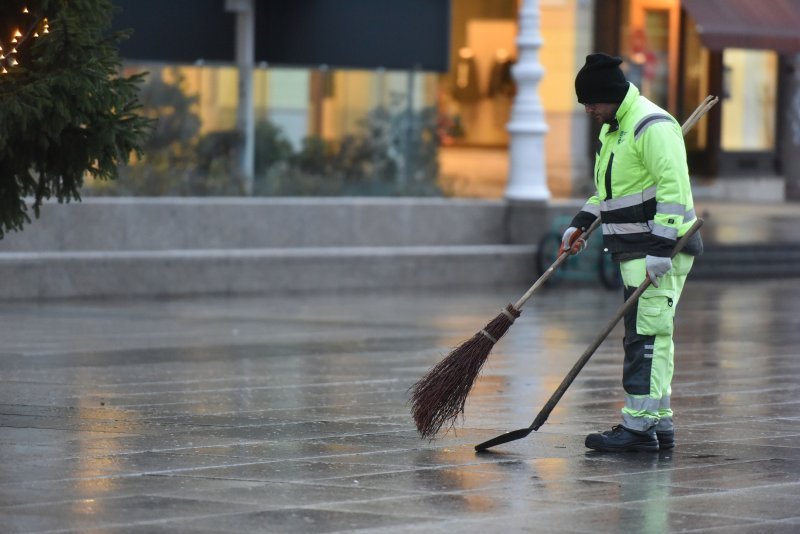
608,271
546,255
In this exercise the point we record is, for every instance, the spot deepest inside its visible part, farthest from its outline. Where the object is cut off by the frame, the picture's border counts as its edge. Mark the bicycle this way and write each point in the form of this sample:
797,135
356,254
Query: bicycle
592,261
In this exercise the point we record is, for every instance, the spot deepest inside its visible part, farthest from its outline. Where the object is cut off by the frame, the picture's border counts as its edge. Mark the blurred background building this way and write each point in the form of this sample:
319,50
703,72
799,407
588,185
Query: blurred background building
309,107
413,96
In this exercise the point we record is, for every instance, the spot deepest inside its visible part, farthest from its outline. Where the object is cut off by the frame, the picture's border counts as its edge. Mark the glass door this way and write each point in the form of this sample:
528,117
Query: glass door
749,90
650,44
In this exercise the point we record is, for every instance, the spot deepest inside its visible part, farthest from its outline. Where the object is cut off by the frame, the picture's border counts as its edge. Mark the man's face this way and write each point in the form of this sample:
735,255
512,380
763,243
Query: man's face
602,112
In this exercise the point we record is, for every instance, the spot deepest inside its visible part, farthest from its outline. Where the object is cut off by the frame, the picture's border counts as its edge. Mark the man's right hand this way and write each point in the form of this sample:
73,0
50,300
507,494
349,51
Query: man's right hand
571,241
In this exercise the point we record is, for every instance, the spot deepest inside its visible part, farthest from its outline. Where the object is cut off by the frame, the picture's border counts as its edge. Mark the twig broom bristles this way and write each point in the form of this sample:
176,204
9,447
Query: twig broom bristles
439,397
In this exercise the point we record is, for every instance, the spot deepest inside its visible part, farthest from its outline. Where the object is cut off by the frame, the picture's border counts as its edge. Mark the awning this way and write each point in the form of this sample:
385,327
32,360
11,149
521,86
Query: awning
765,24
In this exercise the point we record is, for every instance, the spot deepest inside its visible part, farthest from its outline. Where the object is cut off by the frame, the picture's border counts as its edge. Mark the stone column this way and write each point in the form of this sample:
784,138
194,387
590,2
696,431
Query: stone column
791,136
527,175
245,60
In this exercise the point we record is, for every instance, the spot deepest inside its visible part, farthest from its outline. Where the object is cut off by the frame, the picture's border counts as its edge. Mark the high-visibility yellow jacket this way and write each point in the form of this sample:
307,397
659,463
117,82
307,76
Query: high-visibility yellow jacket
643,196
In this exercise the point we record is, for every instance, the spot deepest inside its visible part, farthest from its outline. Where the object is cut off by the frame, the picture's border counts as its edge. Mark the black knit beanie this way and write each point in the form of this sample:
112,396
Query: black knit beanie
601,81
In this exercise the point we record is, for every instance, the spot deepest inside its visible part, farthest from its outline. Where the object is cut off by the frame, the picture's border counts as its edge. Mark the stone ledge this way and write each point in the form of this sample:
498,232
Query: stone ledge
95,274
197,223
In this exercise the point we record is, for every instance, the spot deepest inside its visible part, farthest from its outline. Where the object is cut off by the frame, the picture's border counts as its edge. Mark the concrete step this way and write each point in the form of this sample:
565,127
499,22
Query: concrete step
193,246
90,274
121,224
171,273
778,260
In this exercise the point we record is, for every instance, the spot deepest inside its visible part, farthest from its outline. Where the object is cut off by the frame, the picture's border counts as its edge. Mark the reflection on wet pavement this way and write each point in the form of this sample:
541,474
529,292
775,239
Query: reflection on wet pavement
289,415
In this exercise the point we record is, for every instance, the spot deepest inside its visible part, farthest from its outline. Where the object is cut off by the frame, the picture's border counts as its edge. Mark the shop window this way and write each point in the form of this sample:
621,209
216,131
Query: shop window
317,131
475,96
750,99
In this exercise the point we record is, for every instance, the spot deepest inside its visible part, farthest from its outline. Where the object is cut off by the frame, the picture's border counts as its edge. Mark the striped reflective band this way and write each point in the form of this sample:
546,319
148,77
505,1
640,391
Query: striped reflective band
628,200
648,351
676,209
665,231
664,403
639,228
647,122
594,209
640,423
671,209
641,404
627,228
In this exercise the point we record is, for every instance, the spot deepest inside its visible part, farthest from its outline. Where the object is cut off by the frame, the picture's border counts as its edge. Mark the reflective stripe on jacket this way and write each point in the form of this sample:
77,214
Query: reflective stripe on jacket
643,196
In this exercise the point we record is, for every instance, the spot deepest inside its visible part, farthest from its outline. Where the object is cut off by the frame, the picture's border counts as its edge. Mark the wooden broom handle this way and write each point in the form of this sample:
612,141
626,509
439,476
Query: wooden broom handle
697,114
556,264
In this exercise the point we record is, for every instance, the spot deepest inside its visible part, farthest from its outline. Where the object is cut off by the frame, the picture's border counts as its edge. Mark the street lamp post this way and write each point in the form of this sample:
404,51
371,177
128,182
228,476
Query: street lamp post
245,60
527,176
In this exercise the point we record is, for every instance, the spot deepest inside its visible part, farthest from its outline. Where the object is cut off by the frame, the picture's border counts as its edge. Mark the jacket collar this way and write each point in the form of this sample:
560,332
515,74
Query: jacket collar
625,105
627,102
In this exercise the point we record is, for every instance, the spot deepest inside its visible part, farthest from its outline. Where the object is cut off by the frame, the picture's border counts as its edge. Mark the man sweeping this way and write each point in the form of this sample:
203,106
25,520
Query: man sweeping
644,199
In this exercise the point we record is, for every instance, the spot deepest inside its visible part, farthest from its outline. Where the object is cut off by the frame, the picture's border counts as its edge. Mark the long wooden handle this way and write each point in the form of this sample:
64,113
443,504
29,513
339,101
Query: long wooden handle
696,115
545,412
556,264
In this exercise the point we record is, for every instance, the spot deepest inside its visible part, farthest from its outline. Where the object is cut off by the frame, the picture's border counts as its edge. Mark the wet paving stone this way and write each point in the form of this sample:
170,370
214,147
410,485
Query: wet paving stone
289,414
112,512
303,520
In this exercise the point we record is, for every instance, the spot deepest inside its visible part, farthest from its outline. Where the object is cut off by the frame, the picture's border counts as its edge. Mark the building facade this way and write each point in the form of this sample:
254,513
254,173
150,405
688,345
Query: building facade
743,51
677,51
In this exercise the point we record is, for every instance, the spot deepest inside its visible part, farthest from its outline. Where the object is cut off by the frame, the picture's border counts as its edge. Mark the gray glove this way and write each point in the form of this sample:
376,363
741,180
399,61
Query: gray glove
572,241
657,266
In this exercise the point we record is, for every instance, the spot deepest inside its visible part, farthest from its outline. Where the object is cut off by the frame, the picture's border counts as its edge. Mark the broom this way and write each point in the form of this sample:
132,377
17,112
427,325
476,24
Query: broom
439,397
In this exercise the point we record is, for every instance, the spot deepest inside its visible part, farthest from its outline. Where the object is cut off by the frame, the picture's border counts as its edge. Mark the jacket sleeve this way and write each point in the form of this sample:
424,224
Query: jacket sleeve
589,212
664,157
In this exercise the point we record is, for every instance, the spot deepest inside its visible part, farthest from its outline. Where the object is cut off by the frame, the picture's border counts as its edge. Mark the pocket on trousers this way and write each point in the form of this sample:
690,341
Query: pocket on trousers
655,313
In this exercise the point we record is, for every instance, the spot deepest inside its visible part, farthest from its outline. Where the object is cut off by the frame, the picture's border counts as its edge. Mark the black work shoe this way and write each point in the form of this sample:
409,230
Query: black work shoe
666,439
621,439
